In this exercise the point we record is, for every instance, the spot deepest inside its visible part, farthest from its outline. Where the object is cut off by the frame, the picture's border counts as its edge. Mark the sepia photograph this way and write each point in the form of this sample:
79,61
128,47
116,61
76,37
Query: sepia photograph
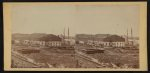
75,36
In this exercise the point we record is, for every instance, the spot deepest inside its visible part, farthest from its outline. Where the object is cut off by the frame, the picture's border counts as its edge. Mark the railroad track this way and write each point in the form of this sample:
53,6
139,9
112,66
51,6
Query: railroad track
23,58
90,59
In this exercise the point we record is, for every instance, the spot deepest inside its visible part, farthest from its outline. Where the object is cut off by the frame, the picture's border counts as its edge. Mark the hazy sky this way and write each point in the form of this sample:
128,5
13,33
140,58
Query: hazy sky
80,19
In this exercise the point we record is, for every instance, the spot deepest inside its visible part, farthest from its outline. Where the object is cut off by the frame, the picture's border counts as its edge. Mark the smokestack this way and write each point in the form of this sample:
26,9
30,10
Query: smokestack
64,33
131,33
127,35
68,32
132,36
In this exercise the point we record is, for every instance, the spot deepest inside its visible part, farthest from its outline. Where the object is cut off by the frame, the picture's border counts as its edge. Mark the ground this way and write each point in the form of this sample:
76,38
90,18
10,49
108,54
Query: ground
53,56
66,58
117,56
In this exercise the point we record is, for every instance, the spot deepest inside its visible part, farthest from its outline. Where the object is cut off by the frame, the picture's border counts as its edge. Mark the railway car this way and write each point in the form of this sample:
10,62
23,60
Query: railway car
29,51
93,50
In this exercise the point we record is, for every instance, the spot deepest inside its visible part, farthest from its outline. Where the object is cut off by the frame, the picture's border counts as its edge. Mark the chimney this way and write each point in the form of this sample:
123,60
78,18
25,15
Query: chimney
64,33
131,33
127,37
68,32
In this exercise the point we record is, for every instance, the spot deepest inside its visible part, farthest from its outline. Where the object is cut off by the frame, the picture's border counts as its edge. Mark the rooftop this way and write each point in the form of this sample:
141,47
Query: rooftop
114,38
36,36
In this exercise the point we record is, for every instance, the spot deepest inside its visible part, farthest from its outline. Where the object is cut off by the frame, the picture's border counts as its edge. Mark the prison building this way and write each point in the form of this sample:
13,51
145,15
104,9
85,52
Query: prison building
49,40
110,41
114,41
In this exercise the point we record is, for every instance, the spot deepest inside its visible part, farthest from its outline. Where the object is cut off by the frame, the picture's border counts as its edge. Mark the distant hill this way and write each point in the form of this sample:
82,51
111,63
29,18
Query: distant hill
129,37
49,37
35,36
102,35
114,38
85,37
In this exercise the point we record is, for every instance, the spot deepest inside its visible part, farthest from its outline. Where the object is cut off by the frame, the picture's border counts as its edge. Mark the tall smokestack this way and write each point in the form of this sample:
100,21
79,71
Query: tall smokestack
127,35
132,36
131,33
64,33
68,32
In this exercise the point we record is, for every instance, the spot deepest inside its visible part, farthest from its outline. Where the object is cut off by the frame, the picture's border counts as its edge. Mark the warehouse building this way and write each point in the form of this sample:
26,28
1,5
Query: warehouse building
110,41
49,40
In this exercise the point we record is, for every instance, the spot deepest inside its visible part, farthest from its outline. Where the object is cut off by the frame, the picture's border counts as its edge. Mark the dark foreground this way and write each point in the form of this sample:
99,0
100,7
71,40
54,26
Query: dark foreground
61,58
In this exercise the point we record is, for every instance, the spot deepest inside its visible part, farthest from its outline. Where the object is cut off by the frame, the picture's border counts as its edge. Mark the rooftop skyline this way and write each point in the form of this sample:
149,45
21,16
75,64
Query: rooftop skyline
53,19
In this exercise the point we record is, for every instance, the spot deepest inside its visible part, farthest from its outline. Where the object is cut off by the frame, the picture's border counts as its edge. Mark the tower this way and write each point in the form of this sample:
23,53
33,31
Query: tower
64,33
127,42
131,37
68,32
131,32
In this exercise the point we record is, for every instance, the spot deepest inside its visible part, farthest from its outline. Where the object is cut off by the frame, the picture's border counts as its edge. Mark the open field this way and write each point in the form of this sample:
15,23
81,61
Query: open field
66,58
51,56
117,56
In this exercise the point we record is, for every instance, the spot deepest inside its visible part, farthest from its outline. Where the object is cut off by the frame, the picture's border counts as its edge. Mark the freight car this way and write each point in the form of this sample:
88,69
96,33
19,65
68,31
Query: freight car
93,50
29,51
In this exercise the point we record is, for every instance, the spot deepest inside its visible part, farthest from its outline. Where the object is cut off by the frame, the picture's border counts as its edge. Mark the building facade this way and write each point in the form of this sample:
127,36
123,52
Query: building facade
49,41
111,41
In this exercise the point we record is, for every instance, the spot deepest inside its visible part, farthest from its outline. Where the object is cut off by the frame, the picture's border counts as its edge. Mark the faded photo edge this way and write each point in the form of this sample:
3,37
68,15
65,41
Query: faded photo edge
142,36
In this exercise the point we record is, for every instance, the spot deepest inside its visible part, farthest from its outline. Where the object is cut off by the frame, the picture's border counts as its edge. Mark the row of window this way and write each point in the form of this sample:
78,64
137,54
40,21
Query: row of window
117,44
54,43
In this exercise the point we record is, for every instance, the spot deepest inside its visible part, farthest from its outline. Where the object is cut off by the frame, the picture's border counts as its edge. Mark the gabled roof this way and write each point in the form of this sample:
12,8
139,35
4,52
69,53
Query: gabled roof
86,37
101,35
114,38
49,37
36,36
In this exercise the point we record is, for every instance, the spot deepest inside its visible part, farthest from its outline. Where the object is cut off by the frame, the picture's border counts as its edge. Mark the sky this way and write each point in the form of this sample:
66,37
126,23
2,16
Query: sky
80,19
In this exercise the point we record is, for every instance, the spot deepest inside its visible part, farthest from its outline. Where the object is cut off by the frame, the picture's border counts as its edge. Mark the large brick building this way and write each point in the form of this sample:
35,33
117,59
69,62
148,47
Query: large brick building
109,41
49,40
